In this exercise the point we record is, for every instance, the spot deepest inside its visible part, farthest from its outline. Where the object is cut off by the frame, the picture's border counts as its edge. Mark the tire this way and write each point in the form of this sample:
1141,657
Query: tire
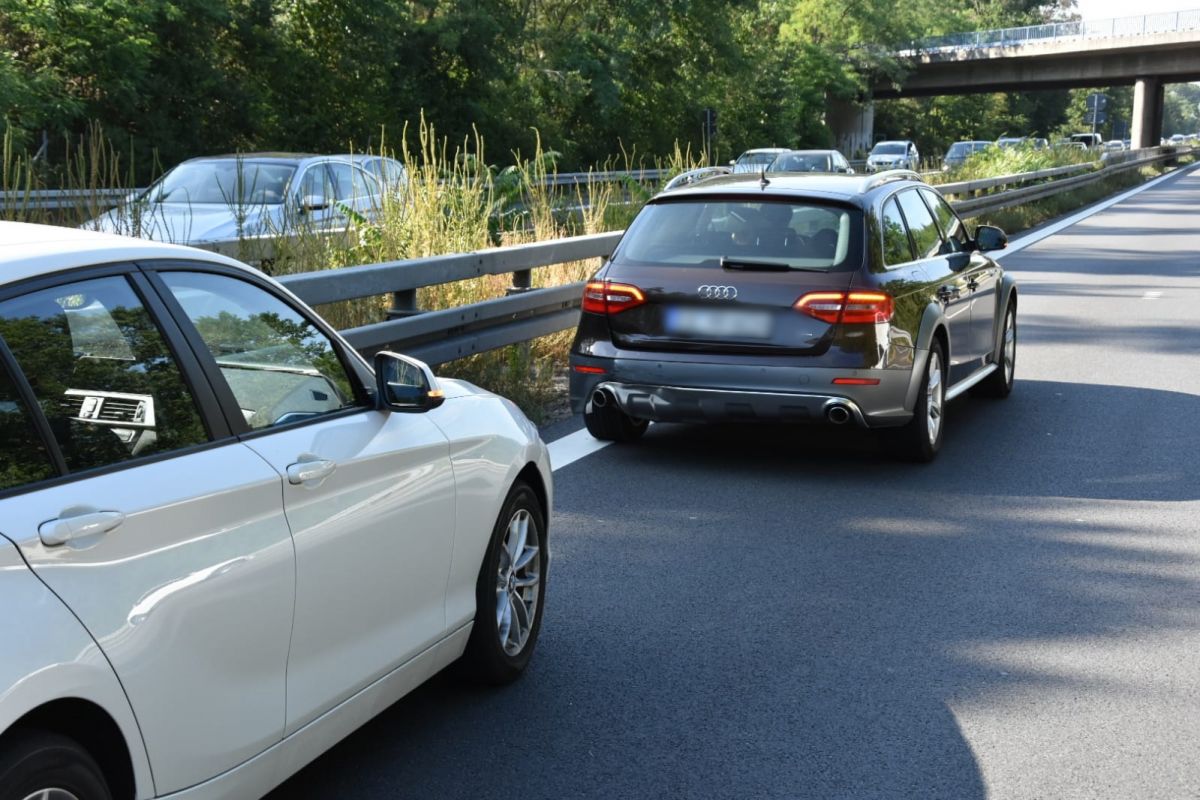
610,423
501,644
48,767
1000,383
921,437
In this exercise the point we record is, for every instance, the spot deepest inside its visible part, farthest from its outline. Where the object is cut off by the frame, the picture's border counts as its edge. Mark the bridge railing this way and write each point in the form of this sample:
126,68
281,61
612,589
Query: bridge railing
448,334
1146,24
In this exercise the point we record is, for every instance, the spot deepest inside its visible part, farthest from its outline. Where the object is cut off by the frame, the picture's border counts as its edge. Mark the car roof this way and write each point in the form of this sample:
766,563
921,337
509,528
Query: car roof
759,150
845,188
894,141
288,158
30,250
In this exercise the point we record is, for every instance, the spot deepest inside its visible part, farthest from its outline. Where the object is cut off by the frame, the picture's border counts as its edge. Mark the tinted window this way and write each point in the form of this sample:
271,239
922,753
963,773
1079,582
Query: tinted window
101,372
280,367
698,232
896,248
953,231
23,455
926,238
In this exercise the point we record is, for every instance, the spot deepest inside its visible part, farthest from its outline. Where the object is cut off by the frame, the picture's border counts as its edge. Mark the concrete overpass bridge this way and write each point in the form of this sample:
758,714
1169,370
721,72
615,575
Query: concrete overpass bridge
1146,51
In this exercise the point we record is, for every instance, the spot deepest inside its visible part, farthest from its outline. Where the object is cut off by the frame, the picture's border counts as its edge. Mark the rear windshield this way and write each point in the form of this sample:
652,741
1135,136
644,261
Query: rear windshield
753,162
889,149
802,162
781,234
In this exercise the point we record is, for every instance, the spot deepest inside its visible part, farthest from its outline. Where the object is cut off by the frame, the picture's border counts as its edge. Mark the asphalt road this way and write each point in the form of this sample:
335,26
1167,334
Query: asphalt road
745,612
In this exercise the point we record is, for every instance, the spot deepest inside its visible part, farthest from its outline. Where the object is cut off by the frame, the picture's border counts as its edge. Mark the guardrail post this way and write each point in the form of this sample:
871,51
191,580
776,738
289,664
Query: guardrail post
522,282
404,304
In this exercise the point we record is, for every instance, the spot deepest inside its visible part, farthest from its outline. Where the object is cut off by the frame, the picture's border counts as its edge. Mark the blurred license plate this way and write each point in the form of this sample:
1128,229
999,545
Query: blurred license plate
711,322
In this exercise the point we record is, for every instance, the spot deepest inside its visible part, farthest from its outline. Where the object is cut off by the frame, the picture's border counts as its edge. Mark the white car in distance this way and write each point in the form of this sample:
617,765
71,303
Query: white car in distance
226,539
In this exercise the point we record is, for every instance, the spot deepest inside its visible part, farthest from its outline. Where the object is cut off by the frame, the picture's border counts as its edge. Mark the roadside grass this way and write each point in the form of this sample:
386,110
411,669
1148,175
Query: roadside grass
1020,218
997,160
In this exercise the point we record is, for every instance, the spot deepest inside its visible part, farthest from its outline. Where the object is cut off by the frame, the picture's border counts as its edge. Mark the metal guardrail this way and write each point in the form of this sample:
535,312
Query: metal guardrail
1147,24
448,334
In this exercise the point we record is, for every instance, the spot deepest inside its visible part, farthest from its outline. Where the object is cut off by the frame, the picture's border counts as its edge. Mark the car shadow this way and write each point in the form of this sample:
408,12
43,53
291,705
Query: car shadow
780,612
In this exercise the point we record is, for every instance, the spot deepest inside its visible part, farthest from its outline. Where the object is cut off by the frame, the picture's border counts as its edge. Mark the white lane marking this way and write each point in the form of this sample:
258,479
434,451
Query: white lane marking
1151,295
581,444
573,447
1050,230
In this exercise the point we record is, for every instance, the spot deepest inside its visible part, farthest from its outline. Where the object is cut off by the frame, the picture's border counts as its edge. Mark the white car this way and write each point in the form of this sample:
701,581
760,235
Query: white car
226,539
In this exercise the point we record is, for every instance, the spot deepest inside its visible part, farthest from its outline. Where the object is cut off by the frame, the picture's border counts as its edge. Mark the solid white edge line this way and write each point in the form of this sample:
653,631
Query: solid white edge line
1035,237
581,444
573,447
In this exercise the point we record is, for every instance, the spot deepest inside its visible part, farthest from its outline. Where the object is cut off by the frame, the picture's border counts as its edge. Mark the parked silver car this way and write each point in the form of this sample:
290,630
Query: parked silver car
226,539
222,198
901,154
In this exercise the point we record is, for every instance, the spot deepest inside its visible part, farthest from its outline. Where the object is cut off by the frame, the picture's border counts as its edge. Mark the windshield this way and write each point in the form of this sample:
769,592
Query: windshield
802,162
787,235
230,182
889,149
753,162
960,149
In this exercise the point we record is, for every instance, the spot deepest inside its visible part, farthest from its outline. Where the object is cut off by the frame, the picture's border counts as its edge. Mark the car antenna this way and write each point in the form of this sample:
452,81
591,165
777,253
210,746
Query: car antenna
762,181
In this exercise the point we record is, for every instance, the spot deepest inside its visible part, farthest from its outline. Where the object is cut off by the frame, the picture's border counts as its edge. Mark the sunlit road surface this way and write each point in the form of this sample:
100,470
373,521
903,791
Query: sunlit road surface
745,612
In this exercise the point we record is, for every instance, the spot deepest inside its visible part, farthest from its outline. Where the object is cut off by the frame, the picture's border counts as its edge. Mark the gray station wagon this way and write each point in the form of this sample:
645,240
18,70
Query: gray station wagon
788,298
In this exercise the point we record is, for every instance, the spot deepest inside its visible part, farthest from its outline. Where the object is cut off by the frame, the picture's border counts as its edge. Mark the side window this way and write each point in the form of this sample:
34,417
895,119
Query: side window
350,182
953,231
101,372
316,182
23,455
896,249
280,367
925,235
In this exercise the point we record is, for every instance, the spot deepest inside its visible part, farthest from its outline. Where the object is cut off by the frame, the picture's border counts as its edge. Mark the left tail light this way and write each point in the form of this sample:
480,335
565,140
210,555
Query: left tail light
607,297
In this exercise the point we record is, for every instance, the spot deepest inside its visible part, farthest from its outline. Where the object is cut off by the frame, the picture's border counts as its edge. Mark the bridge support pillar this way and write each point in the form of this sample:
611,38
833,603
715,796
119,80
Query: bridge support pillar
852,125
1147,113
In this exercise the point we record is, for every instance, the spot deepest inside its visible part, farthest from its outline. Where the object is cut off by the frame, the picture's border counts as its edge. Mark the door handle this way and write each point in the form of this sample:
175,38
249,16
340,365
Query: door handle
78,522
308,468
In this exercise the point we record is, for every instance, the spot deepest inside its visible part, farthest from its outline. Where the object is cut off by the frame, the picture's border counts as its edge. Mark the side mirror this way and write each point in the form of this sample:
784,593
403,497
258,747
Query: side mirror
313,202
989,237
849,170
405,384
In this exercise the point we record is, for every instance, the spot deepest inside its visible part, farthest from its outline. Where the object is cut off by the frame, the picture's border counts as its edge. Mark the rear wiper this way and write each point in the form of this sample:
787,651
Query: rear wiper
763,266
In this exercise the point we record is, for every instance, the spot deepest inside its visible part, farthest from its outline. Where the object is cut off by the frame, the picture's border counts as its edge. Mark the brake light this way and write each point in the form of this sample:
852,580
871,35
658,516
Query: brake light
586,370
607,297
851,308
856,381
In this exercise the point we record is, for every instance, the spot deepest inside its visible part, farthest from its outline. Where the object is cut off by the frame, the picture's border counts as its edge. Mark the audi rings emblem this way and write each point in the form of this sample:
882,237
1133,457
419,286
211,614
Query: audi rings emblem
717,292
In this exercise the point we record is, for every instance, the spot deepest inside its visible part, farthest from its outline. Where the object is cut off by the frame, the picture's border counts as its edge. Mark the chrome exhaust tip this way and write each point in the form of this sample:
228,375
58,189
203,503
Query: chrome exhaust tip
838,414
600,398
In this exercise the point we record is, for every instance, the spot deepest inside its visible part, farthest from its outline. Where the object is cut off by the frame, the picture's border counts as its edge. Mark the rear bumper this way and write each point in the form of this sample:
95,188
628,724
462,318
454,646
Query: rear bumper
669,391
690,404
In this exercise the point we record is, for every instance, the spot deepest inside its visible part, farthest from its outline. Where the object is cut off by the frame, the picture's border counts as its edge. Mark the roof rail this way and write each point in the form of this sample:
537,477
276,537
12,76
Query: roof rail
887,176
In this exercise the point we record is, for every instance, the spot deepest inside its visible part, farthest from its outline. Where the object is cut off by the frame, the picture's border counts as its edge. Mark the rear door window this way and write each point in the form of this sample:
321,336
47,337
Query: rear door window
101,372
925,235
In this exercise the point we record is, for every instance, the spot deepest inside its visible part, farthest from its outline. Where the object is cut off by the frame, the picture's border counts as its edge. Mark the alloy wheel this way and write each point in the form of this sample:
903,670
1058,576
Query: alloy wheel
518,581
1010,346
934,396
51,794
